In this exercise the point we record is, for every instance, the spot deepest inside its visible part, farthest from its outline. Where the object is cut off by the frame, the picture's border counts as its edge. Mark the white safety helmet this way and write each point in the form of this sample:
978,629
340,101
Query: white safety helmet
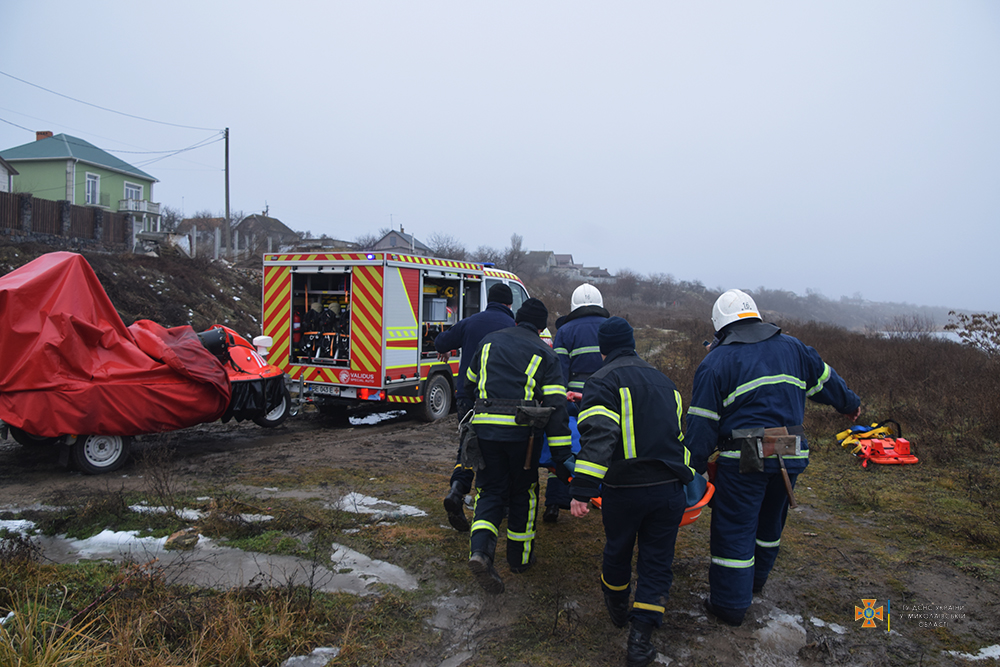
586,295
734,305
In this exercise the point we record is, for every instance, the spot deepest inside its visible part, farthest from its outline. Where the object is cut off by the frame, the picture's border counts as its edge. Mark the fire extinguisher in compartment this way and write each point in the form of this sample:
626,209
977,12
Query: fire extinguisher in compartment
296,327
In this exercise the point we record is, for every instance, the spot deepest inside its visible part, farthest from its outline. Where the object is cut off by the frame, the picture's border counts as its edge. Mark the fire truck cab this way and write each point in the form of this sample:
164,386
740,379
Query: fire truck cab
358,329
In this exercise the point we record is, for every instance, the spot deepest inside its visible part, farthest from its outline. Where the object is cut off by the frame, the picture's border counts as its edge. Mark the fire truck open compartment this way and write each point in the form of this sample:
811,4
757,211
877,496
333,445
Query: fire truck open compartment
357,329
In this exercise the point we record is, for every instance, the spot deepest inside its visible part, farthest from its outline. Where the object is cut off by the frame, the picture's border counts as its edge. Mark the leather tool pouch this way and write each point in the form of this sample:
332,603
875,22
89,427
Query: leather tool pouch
534,417
472,456
751,449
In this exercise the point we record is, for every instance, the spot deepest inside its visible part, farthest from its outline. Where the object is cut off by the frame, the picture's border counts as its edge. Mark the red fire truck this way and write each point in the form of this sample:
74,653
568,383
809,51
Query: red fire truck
357,329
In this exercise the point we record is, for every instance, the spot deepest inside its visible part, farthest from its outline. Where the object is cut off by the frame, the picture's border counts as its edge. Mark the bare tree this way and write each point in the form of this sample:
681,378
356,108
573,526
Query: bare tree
488,255
368,241
513,255
446,247
169,218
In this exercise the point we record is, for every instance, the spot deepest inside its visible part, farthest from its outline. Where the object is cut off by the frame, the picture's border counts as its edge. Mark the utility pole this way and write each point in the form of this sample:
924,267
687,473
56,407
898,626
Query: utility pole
228,228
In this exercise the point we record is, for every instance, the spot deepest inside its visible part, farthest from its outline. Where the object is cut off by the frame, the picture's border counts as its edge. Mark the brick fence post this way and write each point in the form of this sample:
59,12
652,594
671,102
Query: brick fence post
66,216
99,225
25,212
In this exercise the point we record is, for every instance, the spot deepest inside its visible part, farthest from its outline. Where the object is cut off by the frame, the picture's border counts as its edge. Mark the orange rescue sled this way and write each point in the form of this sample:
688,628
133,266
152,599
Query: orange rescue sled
881,443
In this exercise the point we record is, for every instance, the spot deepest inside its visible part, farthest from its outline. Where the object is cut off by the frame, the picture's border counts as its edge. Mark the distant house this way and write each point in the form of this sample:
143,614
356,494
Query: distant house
65,168
596,274
566,267
204,232
401,242
258,233
7,174
538,261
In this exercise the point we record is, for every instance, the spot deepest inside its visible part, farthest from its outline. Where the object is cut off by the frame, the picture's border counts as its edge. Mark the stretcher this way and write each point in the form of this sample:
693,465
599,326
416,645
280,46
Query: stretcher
881,443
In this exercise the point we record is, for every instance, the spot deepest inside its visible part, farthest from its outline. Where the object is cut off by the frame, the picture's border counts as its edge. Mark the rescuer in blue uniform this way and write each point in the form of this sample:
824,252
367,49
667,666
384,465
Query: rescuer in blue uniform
466,335
579,356
512,370
631,443
754,377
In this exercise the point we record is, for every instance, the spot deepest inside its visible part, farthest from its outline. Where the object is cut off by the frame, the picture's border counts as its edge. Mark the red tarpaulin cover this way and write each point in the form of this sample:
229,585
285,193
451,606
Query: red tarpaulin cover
69,365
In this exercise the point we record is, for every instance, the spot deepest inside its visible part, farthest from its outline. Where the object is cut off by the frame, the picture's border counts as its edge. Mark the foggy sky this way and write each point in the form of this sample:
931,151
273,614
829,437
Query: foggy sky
841,147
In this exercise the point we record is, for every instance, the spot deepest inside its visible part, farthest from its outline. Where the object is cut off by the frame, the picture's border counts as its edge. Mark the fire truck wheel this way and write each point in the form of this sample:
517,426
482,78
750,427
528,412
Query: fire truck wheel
96,454
437,399
278,413
28,440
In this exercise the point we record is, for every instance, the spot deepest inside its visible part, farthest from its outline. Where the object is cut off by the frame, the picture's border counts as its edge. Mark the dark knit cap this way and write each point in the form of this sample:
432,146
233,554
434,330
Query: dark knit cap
501,294
534,312
614,333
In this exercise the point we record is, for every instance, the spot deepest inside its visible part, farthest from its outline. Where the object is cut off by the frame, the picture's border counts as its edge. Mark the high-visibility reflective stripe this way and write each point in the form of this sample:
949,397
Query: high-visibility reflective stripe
731,562
702,412
483,357
560,441
614,588
471,375
592,469
482,524
553,389
529,528
627,423
761,382
520,537
497,420
651,607
822,381
529,385
768,545
561,350
576,384
589,349
598,410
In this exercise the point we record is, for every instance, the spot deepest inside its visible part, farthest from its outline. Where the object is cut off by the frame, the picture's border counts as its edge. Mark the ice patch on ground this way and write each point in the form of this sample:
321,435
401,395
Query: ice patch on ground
820,623
213,565
320,657
193,515
361,504
779,641
990,652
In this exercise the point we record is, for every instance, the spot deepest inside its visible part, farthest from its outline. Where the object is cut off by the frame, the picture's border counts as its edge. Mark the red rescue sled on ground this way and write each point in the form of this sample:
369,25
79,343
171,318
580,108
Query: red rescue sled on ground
881,443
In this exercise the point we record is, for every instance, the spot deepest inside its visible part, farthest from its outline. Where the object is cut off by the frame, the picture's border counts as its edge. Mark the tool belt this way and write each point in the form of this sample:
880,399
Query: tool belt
756,444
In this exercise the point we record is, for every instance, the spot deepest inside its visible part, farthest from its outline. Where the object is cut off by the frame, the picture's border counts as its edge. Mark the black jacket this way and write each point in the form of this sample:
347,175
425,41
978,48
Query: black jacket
630,428
514,365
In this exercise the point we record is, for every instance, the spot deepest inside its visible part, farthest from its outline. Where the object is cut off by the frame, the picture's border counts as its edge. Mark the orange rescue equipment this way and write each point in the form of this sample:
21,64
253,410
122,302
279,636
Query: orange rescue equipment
879,443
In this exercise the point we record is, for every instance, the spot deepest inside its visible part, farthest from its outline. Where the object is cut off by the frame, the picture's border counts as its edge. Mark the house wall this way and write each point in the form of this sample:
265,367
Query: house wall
45,180
4,179
112,184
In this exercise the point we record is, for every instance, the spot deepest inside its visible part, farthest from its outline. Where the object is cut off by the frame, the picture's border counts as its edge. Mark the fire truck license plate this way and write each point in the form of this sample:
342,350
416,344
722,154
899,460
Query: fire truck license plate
327,389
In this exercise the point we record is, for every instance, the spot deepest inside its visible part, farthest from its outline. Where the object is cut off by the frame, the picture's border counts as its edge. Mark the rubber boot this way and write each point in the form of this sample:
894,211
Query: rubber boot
551,514
640,647
617,608
481,566
454,505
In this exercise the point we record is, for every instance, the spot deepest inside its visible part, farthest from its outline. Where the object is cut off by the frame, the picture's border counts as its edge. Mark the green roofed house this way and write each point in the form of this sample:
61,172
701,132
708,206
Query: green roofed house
65,168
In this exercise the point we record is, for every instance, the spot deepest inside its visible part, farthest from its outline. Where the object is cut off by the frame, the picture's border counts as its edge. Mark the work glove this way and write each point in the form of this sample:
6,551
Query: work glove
564,469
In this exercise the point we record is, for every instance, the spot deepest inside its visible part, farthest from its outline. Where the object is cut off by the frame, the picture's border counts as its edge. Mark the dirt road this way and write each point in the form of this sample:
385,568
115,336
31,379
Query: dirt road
210,454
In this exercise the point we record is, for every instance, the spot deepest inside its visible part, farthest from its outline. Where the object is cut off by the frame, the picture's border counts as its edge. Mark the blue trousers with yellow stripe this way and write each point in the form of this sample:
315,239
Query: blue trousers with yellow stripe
505,483
650,515
748,515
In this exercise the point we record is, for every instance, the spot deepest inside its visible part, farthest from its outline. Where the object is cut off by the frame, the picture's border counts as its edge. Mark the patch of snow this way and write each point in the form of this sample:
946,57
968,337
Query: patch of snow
194,515
984,653
377,417
19,526
10,615
320,657
783,635
362,504
820,623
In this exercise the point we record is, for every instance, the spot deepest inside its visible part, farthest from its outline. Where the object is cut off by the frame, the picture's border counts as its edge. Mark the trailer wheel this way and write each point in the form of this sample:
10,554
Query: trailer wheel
96,454
437,399
26,439
278,414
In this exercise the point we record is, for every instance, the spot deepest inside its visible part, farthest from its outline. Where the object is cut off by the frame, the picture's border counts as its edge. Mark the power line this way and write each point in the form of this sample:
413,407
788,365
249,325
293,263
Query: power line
14,124
121,113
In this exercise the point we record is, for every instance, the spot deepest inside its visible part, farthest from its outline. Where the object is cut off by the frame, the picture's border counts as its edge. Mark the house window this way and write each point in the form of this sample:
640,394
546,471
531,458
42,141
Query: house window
133,191
93,189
